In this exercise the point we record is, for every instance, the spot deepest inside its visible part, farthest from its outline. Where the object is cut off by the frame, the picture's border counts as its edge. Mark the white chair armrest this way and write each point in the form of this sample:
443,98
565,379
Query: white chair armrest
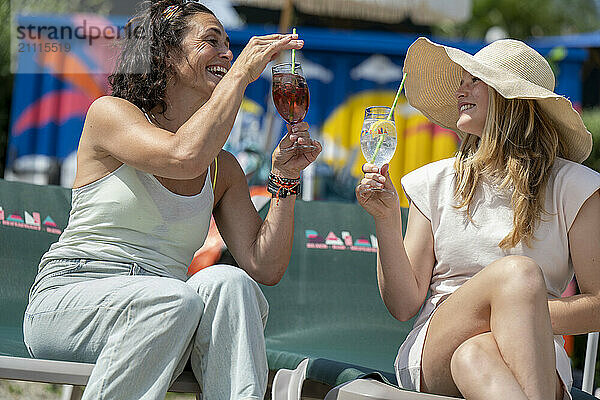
589,367
287,384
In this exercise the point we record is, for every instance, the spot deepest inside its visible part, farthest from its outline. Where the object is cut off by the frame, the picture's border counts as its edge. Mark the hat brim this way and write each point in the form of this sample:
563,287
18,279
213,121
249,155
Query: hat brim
434,74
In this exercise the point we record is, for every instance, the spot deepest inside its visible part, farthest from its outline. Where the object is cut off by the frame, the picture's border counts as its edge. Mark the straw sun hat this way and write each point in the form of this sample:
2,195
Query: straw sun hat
509,66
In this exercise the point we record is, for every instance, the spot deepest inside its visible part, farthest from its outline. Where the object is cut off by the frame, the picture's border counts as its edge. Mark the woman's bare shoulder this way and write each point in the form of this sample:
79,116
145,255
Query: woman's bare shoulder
113,108
108,117
105,117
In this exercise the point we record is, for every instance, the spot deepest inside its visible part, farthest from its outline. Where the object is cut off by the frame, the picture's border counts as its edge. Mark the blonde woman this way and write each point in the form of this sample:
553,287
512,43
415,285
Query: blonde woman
494,234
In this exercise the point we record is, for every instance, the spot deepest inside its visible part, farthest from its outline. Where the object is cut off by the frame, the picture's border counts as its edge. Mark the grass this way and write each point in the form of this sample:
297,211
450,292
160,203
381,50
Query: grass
17,390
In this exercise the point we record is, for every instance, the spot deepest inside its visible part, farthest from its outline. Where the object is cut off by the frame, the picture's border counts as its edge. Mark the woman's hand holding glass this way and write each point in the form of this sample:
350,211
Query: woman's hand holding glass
376,192
289,164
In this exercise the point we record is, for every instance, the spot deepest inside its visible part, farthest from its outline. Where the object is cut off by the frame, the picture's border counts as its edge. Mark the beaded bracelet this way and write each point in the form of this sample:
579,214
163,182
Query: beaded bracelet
280,187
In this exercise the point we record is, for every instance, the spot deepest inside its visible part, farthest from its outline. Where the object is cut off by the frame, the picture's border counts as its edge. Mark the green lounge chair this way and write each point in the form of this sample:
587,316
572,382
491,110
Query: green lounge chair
327,322
325,312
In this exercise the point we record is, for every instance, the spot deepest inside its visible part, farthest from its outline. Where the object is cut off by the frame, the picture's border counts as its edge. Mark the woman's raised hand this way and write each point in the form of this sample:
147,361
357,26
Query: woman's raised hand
291,156
378,203
260,50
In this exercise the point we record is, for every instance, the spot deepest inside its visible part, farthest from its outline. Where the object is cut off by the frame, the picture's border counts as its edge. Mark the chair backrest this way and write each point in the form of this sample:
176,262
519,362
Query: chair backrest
327,306
31,218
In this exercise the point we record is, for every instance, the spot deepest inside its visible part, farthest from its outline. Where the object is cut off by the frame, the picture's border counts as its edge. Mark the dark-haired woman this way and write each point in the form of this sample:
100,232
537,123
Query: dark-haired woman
150,172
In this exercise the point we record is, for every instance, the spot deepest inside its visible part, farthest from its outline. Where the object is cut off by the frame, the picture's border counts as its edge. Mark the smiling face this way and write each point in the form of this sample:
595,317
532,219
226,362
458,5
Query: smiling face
473,100
206,57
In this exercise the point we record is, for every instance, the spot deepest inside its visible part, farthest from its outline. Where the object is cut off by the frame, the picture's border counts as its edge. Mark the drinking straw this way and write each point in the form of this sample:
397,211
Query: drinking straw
293,55
389,117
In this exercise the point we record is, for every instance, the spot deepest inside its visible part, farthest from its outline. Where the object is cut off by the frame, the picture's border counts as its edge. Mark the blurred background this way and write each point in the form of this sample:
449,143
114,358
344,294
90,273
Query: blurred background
352,58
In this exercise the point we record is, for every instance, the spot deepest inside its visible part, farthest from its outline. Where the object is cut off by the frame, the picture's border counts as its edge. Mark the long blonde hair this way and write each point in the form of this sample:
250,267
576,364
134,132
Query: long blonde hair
517,149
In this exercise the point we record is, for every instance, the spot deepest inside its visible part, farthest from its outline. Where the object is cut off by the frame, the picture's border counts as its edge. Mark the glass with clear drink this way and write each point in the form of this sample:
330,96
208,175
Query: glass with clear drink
378,136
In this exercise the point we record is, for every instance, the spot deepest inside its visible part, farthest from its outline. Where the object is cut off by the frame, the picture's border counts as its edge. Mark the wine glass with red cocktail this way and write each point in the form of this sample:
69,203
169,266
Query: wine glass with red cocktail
290,95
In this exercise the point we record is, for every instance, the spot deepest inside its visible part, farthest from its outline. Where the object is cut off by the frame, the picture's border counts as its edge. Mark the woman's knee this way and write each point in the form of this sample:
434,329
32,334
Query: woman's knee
519,275
469,359
190,302
230,284
238,283
222,278
172,297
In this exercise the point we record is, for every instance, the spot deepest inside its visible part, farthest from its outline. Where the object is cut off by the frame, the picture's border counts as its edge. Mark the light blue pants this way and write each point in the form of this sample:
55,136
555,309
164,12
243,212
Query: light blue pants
141,329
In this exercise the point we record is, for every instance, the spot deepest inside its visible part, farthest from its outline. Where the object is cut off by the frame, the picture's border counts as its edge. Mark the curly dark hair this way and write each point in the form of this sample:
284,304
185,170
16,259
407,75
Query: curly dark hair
151,36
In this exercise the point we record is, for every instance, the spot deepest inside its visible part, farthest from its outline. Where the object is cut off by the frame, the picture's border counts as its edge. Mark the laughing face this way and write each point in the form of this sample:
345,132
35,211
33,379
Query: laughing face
473,100
206,55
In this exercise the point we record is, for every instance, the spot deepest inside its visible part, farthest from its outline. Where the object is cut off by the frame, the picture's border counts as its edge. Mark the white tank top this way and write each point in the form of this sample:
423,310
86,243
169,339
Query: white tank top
129,216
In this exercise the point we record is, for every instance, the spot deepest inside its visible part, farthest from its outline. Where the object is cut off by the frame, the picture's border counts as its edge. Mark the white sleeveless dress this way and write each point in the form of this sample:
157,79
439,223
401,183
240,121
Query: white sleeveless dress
462,248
